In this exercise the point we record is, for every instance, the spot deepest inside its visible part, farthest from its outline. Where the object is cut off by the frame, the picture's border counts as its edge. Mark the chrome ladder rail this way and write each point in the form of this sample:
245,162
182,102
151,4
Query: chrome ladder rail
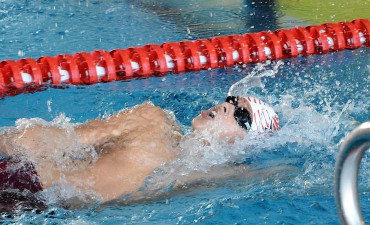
346,174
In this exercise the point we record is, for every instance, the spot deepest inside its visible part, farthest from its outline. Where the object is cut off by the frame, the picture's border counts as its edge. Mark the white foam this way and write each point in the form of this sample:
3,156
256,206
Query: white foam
253,81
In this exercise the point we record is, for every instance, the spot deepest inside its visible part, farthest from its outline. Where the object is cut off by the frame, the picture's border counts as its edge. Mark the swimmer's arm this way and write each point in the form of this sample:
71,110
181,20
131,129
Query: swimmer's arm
216,173
95,132
99,132
240,172
120,172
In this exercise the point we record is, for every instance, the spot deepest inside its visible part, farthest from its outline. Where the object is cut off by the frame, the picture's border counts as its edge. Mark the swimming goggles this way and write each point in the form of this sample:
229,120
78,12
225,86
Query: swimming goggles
241,114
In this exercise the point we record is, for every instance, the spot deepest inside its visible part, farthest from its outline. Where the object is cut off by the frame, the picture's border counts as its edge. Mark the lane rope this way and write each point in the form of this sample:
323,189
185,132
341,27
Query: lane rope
176,57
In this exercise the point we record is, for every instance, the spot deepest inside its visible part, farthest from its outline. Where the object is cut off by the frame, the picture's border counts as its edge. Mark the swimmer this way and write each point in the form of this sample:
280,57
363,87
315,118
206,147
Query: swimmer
128,146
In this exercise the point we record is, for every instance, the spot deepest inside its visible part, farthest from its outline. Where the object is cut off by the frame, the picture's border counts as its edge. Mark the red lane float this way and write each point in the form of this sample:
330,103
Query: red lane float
119,64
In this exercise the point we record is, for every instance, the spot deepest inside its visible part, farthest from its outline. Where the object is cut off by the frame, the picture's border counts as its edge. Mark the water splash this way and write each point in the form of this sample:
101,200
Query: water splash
65,155
252,82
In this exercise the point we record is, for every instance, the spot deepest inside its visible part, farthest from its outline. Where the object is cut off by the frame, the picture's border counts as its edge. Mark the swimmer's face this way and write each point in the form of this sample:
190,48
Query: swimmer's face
219,120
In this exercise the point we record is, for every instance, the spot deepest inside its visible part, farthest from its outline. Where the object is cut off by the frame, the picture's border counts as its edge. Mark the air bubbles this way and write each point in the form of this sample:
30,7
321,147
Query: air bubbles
188,30
21,53
48,104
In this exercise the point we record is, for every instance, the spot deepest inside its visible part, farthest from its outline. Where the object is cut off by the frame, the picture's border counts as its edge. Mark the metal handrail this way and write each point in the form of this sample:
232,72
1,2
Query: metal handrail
346,174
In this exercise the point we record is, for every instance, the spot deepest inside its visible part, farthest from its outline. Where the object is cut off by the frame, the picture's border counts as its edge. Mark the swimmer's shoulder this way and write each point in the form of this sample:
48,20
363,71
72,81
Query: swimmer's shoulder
161,119
149,111
151,117
144,111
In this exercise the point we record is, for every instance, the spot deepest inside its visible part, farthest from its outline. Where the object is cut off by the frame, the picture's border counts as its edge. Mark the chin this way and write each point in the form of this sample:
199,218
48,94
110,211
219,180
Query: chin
198,123
194,123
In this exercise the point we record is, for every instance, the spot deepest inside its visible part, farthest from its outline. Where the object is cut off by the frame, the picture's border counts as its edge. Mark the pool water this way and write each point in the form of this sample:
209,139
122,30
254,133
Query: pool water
319,99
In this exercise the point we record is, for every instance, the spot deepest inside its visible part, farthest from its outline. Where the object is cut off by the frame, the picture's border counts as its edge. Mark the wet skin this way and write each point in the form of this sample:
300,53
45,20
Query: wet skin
129,146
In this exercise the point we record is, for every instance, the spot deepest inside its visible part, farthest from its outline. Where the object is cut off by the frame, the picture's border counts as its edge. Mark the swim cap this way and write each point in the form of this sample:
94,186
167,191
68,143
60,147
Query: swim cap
264,117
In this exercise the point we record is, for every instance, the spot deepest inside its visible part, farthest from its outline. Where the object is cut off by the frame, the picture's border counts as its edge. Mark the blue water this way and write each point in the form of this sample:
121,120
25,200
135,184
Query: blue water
319,100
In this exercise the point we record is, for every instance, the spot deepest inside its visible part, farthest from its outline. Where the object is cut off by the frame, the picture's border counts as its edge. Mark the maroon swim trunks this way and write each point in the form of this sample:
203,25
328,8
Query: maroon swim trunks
20,175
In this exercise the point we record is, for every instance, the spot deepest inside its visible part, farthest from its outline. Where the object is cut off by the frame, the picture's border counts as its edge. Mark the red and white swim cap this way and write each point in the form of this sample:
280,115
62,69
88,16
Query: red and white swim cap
264,117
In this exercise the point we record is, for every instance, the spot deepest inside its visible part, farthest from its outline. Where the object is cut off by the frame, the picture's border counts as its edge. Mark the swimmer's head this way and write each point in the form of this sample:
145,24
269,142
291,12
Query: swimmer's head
219,120
236,116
